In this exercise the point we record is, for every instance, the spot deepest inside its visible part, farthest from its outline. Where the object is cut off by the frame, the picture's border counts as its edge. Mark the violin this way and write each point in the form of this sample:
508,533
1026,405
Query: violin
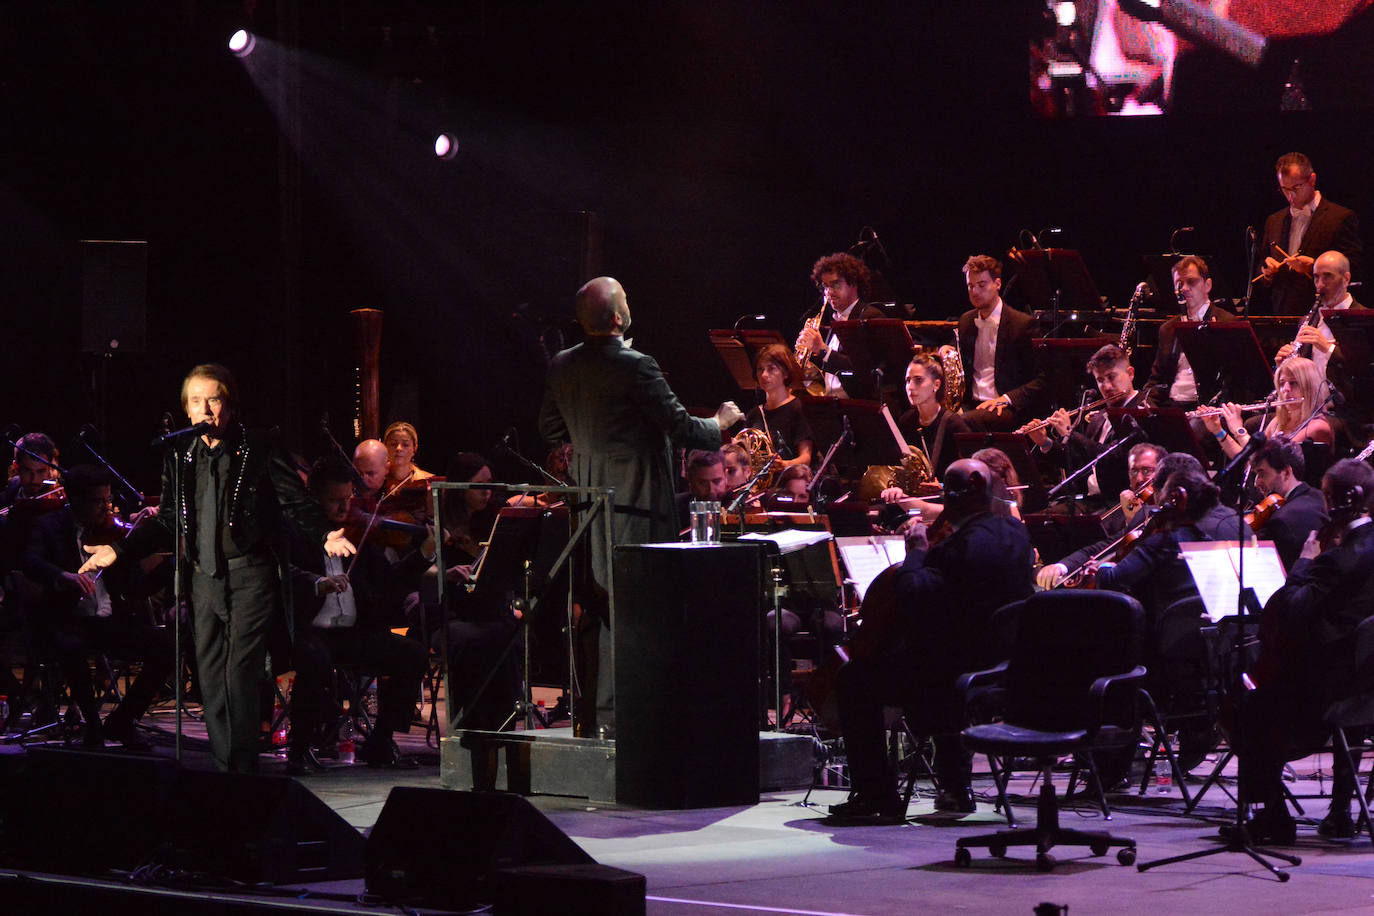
1264,510
114,532
47,501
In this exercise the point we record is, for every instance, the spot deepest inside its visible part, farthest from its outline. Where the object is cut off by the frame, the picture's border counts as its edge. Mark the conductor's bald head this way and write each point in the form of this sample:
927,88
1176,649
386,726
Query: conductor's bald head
602,308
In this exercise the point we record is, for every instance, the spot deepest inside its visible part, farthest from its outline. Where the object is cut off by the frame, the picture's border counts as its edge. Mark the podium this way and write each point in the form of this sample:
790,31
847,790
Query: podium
686,674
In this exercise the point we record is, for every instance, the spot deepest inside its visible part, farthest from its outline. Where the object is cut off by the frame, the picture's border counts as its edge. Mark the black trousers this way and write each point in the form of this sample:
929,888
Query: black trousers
399,664
75,641
232,617
864,686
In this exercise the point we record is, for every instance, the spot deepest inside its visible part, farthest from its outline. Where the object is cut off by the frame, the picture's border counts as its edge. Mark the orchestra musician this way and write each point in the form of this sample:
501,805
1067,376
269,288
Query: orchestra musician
1154,571
945,597
1308,226
79,615
780,416
612,402
1331,273
1145,463
371,461
736,459
928,425
706,482
1307,657
237,486
1172,383
1002,380
343,615
1297,380
844,282
1111,368
1277,468
402,445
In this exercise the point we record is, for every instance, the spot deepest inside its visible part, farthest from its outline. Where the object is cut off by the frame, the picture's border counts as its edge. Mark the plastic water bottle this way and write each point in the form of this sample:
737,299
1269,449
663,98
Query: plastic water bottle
1164,772
346,747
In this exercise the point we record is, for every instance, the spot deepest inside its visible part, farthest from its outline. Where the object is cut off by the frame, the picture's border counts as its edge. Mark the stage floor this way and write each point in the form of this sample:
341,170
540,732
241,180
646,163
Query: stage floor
780,857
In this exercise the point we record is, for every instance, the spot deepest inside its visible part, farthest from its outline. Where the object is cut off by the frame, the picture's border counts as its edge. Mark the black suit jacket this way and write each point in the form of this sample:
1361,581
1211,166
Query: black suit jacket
266,489
836,361
947,594
52,550
1168,350
1333,227
1015,373
1302,513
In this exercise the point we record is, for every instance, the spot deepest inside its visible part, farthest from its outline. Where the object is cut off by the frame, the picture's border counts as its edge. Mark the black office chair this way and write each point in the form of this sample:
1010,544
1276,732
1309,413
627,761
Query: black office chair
1070,687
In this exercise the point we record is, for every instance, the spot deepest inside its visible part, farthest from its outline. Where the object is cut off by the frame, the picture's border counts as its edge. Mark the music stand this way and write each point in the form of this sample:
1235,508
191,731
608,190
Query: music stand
1226,360
1064,360
876,343
932,334
1167,427
1056,534
1354,333
1020,449
873,440
739,351
1042,272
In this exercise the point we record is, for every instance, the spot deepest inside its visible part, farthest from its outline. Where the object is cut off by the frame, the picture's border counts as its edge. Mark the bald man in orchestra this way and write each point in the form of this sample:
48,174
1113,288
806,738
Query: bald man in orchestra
613,404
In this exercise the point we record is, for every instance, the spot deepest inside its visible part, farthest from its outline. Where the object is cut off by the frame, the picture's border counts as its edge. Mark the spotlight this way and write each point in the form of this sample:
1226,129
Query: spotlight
446,146
241,43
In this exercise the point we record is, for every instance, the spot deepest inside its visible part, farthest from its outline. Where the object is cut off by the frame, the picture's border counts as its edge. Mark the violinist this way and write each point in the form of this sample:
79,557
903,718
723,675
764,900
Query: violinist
1154,571
404,478
1307,656
370,460
1111,369
81,615
945,596
1289,510
1304,420
343,611
1144,463
32,477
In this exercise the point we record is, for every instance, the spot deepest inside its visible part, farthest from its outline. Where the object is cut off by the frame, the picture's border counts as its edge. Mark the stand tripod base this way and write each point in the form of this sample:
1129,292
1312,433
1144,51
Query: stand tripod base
1239,842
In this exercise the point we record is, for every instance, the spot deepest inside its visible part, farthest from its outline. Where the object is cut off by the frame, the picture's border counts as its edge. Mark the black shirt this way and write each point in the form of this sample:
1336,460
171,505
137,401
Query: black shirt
937,443
786,426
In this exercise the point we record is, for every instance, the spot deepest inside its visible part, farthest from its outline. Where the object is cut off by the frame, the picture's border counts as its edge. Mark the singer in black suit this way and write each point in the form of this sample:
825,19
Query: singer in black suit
1330,226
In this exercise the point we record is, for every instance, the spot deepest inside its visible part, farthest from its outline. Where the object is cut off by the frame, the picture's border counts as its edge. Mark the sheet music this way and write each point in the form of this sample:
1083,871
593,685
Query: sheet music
1215,569
789,539
865,557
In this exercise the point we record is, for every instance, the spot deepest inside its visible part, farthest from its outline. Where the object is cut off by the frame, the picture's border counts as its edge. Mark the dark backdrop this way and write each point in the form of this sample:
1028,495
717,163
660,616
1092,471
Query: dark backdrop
721,146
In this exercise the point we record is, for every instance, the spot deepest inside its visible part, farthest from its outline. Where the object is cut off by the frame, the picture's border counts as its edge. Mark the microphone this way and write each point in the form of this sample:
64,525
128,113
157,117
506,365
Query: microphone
87,430
12,433
1242,457
749,318
204,426
503,445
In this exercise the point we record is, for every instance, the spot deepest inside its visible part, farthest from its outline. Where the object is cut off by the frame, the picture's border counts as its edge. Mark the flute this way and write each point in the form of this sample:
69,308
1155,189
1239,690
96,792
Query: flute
1257,407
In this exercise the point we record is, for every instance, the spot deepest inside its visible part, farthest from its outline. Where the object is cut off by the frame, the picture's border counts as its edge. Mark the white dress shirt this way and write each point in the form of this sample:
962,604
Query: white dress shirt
1322,357
1184,388
832,382
985,354
1299,219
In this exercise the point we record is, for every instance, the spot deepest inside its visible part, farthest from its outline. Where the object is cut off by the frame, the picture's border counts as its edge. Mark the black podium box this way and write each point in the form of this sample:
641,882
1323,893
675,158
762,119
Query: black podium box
687,624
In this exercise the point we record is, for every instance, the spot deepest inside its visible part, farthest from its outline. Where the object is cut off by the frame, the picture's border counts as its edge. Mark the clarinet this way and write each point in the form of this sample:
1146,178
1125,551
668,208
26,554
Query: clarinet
1312,320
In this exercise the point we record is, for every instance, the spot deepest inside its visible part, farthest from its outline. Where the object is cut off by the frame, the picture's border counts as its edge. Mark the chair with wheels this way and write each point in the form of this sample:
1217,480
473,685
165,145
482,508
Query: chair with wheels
1070,687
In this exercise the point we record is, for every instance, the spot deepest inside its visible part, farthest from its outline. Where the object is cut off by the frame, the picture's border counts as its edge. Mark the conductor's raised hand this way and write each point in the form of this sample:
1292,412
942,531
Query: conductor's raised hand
728,414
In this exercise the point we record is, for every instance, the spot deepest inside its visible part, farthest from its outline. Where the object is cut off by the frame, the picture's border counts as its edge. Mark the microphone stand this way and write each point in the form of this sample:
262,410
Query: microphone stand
129,490
178,548
1247,604
1083,473
736,507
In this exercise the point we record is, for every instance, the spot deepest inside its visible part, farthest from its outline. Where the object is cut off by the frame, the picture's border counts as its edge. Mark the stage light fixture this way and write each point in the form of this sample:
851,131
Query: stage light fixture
446,146
241,43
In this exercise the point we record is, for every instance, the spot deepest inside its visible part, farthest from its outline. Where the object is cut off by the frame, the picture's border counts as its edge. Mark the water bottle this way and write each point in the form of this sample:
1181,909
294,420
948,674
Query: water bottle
4,712
1164,772
346,747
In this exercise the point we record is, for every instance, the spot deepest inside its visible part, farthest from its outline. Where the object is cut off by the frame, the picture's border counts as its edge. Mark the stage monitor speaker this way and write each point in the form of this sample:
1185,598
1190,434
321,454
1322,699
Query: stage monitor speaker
568,890
440,848
114,296
687,623
78,812
258,829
